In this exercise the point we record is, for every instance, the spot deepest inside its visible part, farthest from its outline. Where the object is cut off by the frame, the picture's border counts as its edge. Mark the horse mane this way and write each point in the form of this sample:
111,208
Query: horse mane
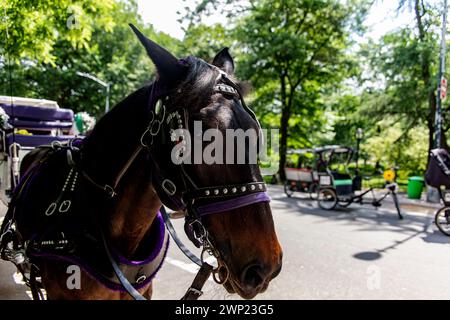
198,86
112,137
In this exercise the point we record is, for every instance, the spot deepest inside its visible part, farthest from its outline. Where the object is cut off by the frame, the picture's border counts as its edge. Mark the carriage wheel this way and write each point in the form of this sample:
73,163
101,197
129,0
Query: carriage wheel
442,220
287,189
313,191
327,199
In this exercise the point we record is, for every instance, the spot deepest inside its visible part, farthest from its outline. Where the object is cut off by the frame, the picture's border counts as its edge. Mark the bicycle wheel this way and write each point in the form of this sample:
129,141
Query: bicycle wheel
287,189
313,191
397,205
327,199
442,220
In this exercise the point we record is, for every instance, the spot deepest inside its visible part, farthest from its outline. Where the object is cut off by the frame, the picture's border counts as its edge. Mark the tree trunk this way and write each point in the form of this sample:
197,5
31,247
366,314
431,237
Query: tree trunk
284,124
419,10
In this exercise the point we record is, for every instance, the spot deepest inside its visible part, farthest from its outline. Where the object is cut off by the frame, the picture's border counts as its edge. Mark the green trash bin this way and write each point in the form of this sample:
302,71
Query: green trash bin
415,187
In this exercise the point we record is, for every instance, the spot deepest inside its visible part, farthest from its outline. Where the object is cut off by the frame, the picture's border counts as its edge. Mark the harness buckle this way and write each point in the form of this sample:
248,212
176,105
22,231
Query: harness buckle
141,279
65,206
169,187
110,191
199,231
199,293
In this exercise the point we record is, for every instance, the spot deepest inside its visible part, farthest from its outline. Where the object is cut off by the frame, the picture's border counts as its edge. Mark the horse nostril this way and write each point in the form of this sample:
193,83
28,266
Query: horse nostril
253,276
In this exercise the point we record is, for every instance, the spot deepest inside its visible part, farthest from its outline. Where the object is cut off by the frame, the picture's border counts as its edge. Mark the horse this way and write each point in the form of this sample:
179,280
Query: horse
79,203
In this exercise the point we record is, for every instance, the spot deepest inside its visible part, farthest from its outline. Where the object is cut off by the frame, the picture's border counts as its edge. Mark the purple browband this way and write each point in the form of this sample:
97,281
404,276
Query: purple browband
232,204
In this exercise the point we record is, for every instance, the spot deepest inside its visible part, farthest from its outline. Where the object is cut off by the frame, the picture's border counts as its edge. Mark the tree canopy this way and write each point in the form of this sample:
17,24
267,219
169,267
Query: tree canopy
310,77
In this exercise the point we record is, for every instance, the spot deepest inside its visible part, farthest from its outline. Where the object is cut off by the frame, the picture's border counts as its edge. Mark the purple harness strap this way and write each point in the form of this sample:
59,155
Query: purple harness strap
232,204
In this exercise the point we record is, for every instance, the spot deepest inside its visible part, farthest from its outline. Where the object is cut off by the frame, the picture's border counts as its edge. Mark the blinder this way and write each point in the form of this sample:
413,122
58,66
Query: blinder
174,185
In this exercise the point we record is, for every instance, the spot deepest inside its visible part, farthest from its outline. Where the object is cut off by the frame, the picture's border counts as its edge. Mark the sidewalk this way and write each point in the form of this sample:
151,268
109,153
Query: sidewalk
421,202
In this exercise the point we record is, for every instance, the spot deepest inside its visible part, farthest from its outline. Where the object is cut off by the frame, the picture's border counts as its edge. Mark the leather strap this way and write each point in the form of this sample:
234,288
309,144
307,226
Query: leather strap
195,290
177,240
226,191
123,280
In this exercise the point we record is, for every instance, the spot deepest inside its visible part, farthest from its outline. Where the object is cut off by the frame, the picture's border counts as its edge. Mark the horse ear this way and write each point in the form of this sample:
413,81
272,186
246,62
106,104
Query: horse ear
224,61
169,68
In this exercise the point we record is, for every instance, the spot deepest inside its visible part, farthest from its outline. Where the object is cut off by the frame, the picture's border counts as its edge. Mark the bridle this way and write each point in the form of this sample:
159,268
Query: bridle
196,202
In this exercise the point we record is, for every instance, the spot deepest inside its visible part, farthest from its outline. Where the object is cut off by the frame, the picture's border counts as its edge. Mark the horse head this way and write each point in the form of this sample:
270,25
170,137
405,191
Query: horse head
206,168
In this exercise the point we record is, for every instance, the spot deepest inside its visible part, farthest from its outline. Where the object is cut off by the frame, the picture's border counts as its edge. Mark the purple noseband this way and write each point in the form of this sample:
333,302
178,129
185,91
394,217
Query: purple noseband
232,204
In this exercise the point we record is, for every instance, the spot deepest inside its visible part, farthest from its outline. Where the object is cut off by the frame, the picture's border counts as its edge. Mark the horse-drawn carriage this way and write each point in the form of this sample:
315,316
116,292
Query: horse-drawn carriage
25,124
306,166
337,185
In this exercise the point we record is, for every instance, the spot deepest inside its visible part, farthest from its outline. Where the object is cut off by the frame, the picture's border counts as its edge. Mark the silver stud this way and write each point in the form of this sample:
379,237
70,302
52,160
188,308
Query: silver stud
260,186
234,190
243,189
207,193
225,191
252,187
216,191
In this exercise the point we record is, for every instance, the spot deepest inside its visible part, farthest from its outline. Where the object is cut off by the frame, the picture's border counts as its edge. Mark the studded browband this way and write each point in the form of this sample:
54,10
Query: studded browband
226,191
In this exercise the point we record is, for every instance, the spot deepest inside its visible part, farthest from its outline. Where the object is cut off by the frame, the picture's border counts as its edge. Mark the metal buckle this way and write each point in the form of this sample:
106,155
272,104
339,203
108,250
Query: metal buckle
141,278
170,189
65,206
110,191
51,209
201,229
196,291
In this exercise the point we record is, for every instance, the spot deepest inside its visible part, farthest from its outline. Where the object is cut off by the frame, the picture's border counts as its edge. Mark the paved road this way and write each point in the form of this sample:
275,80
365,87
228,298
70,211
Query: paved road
352,253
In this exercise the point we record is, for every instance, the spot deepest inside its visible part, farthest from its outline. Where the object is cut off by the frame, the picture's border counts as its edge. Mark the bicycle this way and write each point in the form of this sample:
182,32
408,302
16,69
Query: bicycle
332,192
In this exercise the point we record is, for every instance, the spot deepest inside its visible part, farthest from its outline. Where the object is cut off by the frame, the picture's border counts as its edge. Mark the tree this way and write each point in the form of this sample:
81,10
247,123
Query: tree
405,64
205,41
112,54
30,28
299,48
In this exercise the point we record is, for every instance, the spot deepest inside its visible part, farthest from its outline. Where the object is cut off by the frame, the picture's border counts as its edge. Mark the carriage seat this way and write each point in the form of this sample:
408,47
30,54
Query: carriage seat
38,118
300,174
340,176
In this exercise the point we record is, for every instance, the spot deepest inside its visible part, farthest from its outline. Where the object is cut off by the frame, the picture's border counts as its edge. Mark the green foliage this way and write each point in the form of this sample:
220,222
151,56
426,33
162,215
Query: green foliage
294,53
30,29
112,54
205,41
407,153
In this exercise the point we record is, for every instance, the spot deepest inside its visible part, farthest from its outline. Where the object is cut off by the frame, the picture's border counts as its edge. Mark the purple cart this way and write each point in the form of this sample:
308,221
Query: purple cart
36,122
